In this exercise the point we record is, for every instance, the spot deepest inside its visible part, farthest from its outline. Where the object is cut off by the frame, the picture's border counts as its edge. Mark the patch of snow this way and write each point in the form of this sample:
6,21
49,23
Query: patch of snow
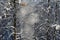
19,1
0,17
33,18
56,26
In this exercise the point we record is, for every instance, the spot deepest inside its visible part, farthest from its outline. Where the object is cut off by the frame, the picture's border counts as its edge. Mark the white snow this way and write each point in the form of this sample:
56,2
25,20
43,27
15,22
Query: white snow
33,18
56,26
19,1
0,17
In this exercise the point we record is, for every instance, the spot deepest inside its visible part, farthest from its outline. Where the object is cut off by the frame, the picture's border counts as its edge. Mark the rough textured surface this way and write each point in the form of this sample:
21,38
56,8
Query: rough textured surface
35,20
